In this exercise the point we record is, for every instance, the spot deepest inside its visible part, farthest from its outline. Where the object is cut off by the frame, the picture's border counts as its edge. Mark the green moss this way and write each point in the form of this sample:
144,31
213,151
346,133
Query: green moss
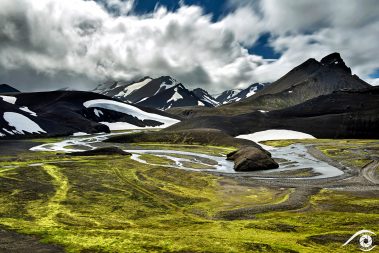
115,204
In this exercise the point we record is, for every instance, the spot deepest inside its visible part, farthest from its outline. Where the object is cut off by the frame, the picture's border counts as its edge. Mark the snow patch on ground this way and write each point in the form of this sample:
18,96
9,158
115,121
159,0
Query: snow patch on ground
130,110
274,134
114,126
26,109
262,111
9,99
80,134
22,123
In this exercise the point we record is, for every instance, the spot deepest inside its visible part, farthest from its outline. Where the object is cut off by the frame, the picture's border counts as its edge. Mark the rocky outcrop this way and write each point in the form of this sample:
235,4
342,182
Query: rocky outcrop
101,151
251,159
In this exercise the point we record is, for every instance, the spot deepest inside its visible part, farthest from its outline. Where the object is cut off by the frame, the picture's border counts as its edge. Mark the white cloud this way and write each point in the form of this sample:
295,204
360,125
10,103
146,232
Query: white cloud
77,43
78,37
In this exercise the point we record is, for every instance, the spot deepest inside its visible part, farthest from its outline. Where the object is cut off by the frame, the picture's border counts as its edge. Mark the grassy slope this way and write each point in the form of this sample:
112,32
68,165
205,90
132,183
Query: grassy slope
114,204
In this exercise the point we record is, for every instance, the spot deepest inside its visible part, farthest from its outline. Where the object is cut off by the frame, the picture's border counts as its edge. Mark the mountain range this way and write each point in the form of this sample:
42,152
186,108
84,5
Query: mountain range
161,93
236,95
165,93
322,98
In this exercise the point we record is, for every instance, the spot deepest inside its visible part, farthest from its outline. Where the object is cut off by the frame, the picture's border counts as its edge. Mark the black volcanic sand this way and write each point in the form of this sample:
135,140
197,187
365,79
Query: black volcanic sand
13,242
15,147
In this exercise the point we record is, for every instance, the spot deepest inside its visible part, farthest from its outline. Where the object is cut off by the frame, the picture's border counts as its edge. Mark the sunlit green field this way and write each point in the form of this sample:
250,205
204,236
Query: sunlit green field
115,204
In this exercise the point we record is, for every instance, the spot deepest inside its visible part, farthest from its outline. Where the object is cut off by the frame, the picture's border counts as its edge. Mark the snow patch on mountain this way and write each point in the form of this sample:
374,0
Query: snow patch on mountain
22,123
175,97
97,112
130,110
9,99
133,87
26,109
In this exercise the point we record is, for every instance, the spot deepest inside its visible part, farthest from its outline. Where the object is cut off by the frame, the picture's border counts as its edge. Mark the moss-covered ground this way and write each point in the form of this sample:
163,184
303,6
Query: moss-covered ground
115,204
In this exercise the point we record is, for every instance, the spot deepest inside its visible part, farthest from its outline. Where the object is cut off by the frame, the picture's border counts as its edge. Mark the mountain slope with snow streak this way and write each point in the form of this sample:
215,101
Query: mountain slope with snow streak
62,113
130,110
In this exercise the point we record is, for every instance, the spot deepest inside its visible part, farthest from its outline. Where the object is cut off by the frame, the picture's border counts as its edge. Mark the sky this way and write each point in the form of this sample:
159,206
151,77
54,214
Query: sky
215,45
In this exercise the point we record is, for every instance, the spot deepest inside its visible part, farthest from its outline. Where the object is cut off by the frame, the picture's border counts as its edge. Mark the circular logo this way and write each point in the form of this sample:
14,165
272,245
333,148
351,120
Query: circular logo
365,241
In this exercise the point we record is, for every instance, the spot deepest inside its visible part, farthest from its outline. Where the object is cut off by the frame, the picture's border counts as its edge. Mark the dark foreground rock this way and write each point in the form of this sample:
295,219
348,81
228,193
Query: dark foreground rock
251,159
101,151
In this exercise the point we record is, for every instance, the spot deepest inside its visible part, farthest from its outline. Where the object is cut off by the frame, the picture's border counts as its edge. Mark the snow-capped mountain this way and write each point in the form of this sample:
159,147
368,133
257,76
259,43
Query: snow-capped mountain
225,96
205,97
161,93
236,95
177,96
68,112
135,92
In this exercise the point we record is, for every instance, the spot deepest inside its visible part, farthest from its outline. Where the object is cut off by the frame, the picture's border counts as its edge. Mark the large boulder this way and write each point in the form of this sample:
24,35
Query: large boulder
251,159
101,151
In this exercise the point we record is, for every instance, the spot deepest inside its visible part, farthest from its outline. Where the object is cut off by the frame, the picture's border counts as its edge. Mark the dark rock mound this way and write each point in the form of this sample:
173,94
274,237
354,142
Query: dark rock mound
200,136
251,159
101,151
5,88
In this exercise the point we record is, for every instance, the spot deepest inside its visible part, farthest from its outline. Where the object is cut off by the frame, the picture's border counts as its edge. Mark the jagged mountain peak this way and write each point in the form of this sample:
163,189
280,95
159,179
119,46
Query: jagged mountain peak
335,60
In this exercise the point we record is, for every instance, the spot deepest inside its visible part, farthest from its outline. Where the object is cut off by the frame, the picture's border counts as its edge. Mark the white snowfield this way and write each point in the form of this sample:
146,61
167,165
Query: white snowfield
22,123
9,99
80,134
275,134
130,110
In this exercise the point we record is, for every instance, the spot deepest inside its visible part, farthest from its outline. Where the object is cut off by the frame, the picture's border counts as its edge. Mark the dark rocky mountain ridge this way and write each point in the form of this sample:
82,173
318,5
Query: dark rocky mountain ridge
342,114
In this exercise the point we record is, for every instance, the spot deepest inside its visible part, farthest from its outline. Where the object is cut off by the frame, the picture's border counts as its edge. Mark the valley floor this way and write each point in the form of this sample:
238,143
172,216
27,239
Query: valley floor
57,203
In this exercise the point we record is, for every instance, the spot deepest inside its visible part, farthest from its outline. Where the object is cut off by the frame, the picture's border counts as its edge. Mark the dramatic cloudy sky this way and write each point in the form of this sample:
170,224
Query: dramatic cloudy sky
51,44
